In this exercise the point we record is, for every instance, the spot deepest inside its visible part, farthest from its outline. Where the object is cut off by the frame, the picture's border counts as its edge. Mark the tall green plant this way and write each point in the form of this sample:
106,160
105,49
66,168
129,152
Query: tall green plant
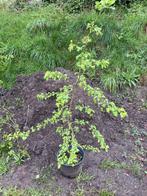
66,106
63,116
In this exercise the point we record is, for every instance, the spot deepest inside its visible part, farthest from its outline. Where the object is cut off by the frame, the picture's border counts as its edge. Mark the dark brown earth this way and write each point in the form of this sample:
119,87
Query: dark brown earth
43,146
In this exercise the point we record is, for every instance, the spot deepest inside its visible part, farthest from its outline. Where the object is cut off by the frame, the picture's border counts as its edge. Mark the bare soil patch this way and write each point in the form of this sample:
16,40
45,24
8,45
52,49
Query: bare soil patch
43,146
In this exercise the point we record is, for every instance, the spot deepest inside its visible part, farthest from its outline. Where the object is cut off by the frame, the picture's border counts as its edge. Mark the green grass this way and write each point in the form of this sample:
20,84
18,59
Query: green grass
145,104
84,177
38,39
81,191
13,191
4,166
106,193
134,168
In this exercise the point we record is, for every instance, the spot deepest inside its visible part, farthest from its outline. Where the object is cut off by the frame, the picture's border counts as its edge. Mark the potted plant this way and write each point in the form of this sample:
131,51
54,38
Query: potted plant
71,154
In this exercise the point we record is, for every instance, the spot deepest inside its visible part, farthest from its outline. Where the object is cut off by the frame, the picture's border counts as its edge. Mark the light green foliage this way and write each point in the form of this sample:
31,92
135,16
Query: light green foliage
65,102
65,107
10,151
9,144
64,112
103,4
55,75
86,59
86,109
96,134
100,99
90,148
45,96
10,140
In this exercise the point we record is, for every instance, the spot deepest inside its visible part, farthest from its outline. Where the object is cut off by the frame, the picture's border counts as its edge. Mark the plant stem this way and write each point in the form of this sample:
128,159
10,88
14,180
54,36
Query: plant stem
74,89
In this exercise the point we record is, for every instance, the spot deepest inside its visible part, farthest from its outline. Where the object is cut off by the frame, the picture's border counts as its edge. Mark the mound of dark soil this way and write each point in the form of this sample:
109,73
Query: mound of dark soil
21,101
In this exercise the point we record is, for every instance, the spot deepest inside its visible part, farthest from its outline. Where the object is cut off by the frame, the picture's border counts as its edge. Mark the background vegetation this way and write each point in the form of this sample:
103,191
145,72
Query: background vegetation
37,39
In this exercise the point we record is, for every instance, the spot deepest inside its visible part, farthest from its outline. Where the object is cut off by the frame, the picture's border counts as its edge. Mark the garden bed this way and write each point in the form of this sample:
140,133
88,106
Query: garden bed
121,171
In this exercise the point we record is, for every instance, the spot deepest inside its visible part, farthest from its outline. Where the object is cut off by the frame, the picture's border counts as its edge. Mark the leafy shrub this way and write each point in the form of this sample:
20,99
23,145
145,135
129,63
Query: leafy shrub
68,126
62,116
9,145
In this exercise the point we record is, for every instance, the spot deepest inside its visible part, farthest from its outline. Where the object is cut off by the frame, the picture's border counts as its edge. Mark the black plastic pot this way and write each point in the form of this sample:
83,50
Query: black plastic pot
73,171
